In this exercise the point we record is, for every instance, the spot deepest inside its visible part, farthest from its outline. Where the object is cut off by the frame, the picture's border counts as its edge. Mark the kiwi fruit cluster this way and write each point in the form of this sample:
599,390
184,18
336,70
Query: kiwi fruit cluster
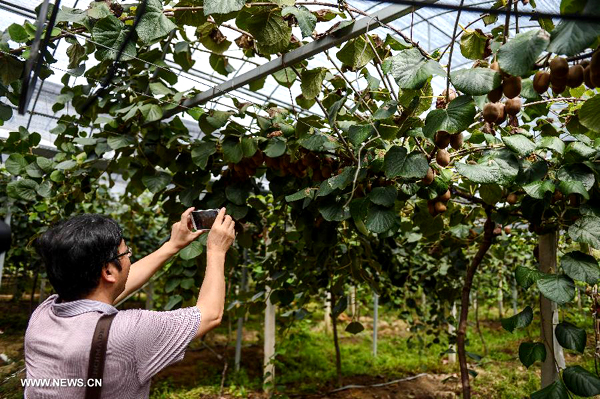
322,168
561,75
442,140
438,205
496,112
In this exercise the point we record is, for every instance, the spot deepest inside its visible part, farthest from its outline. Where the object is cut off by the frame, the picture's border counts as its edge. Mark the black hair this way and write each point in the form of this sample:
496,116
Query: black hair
75,251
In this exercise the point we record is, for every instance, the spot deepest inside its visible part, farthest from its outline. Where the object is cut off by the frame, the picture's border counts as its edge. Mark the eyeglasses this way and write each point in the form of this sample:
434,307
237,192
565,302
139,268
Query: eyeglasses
128,253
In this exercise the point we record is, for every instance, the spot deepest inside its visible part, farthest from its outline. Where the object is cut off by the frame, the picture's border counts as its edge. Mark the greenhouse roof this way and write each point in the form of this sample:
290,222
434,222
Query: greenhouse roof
431,27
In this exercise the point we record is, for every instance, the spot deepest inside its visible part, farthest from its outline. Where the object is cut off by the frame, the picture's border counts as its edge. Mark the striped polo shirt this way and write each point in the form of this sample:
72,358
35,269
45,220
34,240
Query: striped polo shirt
140,344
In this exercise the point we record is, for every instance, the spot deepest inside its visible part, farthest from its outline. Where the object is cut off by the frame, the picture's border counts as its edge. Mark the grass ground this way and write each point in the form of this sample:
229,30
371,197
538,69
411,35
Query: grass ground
305,365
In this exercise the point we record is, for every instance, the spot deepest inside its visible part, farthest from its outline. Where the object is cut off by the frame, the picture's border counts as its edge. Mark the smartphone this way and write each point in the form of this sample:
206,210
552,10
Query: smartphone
203,220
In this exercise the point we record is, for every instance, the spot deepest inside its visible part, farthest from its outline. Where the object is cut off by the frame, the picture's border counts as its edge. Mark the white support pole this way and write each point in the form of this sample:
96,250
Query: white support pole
7,220
451,330
328,312
240,321
375,320
500,297
269,349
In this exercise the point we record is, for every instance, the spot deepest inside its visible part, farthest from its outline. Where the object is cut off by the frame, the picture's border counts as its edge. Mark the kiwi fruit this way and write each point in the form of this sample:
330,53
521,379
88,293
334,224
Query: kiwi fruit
442,139
541,82
440,207
575,76
512,198
442,157
431,208
558,81
445,197
584,63
587,77
502,113
595,62
495,66
558,89
513,106
507,229
495,95
573,200
595,76
559,67
497,230
511,86
428,179
490,112
326,172
456,141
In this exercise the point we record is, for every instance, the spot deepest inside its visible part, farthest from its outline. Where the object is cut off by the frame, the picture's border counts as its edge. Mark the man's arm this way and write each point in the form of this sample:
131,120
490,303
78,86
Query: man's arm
211,299
141,271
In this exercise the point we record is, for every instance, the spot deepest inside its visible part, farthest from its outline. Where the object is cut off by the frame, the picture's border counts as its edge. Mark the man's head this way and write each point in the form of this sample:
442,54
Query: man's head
84,254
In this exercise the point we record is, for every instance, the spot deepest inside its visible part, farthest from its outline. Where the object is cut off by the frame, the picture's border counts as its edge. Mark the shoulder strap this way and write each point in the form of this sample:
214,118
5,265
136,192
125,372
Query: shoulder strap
98,355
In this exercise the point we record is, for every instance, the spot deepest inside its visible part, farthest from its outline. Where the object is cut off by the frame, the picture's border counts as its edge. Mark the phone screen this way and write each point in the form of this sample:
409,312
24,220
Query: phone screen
203,220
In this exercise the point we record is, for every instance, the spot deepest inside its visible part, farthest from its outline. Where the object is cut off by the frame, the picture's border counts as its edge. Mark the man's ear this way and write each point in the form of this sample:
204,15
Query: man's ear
109,273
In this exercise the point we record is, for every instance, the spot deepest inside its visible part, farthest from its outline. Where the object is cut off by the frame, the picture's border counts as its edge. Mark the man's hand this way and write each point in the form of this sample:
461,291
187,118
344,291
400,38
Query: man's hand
222,233
181,232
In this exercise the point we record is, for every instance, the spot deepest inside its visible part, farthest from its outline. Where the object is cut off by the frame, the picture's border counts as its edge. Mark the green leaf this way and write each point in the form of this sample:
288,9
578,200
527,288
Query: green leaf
332,112
98,10
222,6
66,165
519,144
581,267
386,111
586,230
271,32
276,147
312,79
553,143
187,283
475,81
157,182
193,250
411,70
557,287
384,196
33,170
589,114
408,166
154,25
473,44
236,194
573,187
556,390
356,53
307,21
581,382
232,150
76,53
189,195
151,112
520,320
122,141
174,300
10,69
308,192
333,211
202,152
570,336
249,146
67,14
18,33
530,352
318,142
44,190
454,119
110,32
526,276
538,189
47,165
359,133
572,37
518,56
24,189
500,167
6,113
380,220
354,328
15,164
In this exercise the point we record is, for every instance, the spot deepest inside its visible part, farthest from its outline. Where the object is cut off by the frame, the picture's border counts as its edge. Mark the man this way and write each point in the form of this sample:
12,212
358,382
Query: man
88,264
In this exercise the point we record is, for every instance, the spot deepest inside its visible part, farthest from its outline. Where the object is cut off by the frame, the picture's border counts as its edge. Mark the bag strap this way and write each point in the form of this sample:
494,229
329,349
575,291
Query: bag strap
98,355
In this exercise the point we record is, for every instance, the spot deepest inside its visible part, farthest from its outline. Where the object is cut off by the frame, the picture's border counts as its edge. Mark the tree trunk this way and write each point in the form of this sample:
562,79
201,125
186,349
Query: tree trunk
451,330
515,296
375,320
549,313
269,348
149,290
488,236
338,355
7,220
477,326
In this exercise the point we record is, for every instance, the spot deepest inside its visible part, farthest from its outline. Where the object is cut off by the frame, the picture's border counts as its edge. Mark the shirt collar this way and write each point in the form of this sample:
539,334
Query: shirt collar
74,308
